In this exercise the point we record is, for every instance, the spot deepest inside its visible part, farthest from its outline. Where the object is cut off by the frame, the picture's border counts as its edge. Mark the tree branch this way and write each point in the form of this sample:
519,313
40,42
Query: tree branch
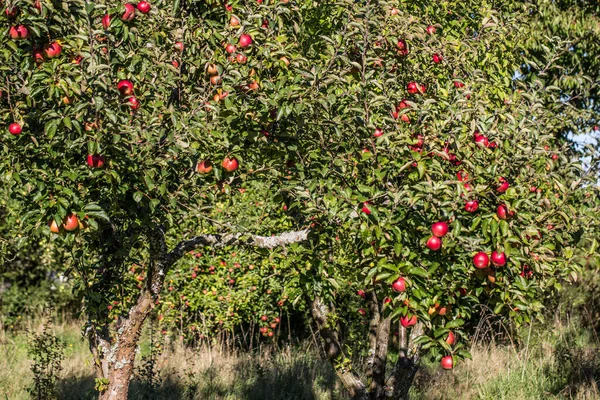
236,239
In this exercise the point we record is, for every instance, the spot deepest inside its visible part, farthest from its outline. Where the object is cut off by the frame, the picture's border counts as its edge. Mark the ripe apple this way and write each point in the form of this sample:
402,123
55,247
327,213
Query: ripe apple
362,311
471,206
439,229
403,104
434,243
447,362
462,175
229,164
129,13
18,32
204,167
285,60
365,209
125,86
15,129
234,21
245,40
504,185
71,222
378,132
229,48
498,259
240,58
143,7
408,322
11,11
53,50
402,47
106,21
458,84
502,211
133,102
179,46
451,339
215,79
95,161
399,285
431,29
53,226
481,140
361,293
412,88
437,58
481,260
405,118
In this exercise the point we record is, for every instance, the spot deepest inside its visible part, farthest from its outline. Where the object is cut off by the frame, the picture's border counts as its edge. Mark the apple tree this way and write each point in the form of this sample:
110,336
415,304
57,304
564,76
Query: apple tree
418,172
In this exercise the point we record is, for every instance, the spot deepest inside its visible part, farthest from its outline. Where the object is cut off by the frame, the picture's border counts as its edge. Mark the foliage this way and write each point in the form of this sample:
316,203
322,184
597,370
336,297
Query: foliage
47,353
366,122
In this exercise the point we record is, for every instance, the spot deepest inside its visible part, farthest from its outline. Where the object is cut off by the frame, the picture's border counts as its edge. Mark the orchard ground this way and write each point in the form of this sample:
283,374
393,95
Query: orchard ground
559,360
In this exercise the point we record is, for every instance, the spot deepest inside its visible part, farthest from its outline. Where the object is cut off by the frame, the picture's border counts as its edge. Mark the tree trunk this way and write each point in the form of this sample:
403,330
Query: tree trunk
403,374
117,363
333,350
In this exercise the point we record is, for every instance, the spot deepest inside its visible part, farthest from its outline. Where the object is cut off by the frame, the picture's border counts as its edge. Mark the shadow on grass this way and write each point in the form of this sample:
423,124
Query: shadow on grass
301,378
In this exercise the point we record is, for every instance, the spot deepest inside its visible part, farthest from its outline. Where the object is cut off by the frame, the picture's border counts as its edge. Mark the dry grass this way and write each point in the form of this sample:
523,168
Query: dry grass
560,364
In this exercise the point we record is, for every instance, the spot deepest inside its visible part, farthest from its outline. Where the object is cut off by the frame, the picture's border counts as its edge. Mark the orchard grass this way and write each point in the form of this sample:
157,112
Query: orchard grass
561,361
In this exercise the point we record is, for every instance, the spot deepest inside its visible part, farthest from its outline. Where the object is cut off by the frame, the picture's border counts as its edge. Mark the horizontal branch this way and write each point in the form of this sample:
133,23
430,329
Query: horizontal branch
236,239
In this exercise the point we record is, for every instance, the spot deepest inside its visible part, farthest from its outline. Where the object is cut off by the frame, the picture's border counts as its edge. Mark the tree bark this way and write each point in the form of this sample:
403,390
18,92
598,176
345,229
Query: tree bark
403,374
335,353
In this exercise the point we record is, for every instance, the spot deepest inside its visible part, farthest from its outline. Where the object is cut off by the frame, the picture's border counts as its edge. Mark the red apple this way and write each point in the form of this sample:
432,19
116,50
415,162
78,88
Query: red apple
11,12
71,222
378,132
405,118
439,229
502,211
447,362
133,102
95,161
365,209
431,29
362,294
125,86
234,21
18,32
481,260
106,21
240,58
264,318
399,285
179,46
211,69
245,40
402,47
229,48
437,58
129,13
451,339
143,7
362,311
458,84
53,50
471,206
481,140
504,185
408,322
498,259
229,164
204,167
434,243
15,129
412,88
